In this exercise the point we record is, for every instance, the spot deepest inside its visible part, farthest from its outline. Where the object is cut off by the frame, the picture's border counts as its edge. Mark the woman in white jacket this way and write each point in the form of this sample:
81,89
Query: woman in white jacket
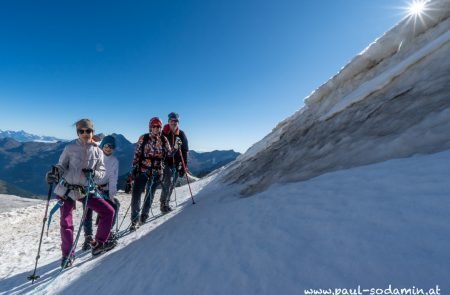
80,160
107,187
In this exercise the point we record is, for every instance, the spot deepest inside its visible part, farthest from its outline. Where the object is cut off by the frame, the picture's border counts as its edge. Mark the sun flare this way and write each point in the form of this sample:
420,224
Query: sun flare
416,8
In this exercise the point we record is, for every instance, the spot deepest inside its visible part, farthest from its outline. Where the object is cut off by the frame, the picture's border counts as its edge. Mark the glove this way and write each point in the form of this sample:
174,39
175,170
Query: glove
52,176
177,143
88,172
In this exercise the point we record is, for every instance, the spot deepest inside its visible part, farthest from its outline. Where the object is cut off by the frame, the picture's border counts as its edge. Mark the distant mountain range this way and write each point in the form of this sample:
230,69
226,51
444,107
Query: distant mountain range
201,164
23,164
23,136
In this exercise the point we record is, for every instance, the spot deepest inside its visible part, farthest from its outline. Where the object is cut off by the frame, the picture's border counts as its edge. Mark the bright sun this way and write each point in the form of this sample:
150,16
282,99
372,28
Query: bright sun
416,8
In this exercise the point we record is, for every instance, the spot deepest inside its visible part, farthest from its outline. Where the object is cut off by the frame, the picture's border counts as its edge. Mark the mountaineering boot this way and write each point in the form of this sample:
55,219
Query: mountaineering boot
99,247
133,226
87,243
144,218
163,209
67,262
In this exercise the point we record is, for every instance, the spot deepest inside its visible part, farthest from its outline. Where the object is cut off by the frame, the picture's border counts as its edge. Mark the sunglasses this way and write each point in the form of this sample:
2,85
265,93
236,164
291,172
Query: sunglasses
173,121
155,126
83,131
110,146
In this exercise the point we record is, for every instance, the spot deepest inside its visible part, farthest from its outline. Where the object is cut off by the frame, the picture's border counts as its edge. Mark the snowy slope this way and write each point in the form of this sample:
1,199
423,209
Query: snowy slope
372,226
19,236
9,202
391,101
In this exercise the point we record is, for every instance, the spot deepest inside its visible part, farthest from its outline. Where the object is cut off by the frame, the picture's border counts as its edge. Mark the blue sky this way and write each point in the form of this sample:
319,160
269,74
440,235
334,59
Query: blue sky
232,68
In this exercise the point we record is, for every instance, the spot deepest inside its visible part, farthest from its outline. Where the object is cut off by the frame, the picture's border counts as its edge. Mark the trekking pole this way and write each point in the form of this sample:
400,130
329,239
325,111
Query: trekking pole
128,209
126,213
187,178
117,218
34,277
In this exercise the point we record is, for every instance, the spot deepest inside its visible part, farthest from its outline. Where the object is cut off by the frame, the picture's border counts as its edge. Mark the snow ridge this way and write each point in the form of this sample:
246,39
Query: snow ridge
373,110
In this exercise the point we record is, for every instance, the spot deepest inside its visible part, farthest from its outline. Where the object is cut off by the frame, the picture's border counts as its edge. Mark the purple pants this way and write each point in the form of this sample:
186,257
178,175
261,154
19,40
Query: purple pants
103,209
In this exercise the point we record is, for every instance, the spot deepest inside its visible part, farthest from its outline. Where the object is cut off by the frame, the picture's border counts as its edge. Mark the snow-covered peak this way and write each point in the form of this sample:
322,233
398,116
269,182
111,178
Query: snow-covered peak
23,136
384,59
